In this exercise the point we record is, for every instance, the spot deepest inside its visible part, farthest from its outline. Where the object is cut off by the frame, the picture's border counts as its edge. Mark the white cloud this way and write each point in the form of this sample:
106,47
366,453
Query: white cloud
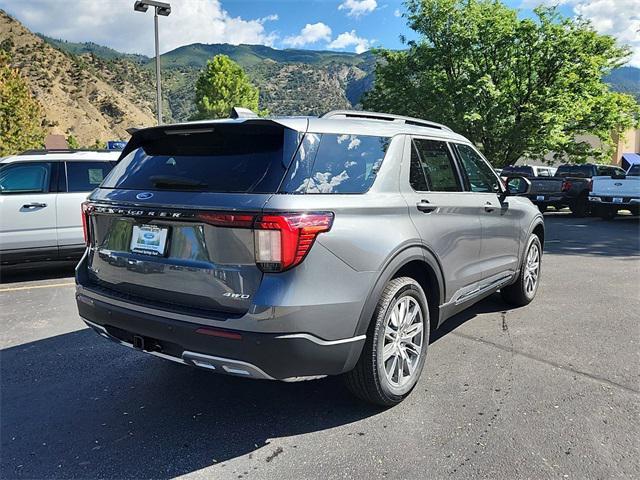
356,8
619,18
348,39
114,23
311,33
397,13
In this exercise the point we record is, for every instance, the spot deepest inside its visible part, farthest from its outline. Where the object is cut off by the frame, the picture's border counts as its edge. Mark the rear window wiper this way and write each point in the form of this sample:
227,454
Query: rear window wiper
171,182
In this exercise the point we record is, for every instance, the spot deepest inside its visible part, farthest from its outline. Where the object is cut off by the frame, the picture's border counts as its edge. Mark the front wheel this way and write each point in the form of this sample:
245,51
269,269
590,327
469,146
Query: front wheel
581,207
394,353
523,291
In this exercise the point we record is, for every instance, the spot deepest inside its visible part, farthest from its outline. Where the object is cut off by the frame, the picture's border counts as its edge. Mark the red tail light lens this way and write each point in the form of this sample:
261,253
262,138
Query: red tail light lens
282,241
590,184
227,219
566,186
86,209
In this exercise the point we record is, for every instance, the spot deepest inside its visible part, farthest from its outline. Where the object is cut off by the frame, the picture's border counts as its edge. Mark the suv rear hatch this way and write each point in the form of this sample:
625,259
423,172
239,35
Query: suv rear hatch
176,221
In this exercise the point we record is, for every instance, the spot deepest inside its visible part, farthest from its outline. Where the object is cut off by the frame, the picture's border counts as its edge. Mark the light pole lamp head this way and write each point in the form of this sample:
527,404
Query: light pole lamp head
140,6
162,8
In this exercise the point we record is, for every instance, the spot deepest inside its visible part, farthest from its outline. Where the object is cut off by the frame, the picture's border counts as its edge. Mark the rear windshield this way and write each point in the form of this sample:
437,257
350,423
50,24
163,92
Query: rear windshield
634,170
222,158
334,163
518,169
574,171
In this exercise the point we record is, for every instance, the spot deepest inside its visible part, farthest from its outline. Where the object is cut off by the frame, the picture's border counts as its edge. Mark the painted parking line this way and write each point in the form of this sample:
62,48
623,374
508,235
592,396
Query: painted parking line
51,285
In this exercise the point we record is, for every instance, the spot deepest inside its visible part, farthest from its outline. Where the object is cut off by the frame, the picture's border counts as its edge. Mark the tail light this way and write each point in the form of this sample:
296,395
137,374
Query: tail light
590,185
281,240
86,209
566,185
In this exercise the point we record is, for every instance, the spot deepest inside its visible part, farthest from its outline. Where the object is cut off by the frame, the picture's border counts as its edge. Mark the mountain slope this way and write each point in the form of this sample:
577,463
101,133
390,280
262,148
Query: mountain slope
76,98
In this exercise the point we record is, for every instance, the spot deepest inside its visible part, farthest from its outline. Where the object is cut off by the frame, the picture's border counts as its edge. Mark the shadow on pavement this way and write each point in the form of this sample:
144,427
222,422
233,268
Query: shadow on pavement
75,406
31,272
567,235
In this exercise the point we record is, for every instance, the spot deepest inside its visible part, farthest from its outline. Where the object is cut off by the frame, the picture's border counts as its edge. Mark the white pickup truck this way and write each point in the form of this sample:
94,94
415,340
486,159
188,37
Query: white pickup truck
617,192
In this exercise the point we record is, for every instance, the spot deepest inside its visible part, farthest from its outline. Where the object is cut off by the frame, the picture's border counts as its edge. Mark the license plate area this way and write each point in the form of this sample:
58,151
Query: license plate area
149,240
617,200
540,198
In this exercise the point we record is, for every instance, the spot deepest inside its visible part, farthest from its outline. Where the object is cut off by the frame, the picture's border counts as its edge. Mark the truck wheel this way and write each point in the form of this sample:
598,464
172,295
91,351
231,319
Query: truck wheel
523,291
607,213
396,347
581,207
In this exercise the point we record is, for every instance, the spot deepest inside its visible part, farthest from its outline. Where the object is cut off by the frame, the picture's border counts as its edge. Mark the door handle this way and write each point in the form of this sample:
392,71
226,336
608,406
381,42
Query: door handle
425,207
34,205
489,207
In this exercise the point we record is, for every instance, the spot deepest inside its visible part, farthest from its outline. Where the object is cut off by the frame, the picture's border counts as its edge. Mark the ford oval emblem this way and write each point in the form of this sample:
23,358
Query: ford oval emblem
144,196
149,236
618,184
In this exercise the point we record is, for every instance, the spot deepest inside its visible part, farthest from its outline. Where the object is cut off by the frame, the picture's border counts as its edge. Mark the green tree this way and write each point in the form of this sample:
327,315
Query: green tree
73,142
515,87
221,86
20,113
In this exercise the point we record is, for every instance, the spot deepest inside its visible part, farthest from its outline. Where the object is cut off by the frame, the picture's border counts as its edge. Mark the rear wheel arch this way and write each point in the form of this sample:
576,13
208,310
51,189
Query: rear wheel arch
418,263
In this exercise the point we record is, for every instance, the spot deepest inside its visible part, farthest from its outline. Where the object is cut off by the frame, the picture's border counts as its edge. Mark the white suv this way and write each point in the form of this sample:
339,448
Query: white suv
40,197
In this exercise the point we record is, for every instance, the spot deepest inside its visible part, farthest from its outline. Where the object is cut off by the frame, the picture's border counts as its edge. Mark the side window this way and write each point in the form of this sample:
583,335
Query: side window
416,174
331,163
25,178
481,177
544,172
86,176
437,165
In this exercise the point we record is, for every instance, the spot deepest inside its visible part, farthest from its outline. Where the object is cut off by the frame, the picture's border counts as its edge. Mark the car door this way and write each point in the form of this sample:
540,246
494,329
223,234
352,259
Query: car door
500,218
446,217
77,180
28,208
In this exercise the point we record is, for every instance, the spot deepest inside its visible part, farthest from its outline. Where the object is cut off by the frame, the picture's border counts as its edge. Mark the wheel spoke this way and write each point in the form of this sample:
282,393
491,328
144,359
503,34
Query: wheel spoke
388,350
412,331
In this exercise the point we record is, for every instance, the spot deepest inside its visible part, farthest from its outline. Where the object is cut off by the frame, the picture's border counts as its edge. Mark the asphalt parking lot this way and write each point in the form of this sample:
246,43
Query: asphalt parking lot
547,391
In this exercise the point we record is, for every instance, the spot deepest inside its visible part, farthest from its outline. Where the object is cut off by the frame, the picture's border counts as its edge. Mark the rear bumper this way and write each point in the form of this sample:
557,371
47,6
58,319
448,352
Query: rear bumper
280,356
548,199
608,201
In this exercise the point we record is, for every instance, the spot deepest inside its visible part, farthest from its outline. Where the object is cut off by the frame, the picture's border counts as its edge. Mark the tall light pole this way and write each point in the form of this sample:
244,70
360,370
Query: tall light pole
164,9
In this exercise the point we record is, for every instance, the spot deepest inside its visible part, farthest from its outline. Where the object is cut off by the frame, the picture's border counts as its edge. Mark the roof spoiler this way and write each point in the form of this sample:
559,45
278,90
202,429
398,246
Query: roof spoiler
240,112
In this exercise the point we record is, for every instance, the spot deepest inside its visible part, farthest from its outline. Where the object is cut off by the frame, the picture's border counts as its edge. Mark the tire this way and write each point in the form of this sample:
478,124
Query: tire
370,380
521,292
606,213
581,207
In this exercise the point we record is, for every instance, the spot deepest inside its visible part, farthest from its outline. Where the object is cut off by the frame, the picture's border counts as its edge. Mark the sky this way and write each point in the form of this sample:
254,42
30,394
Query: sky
341,25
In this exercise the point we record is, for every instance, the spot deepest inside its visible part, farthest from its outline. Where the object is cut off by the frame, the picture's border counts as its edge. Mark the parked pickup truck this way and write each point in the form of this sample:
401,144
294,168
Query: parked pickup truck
616,192
569,187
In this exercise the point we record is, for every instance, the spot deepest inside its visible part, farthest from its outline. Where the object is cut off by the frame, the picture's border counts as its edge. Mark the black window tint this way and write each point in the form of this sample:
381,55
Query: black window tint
342,164
634,171
518,170
481,176
227,158
416,174
25,178
437,165
584,171
86,176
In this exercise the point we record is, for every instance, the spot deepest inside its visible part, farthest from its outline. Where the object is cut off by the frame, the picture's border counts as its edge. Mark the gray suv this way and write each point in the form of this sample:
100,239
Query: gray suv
295,248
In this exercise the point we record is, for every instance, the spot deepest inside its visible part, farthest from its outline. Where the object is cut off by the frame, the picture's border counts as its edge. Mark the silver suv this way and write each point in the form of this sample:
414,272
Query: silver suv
294,248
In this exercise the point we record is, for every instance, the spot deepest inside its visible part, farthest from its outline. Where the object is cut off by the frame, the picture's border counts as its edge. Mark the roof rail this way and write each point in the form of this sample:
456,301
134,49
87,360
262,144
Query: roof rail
64,150
385,117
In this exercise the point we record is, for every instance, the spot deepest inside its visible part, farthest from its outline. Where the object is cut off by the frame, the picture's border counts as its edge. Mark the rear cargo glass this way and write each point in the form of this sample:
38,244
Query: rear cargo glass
223,158
574,171
333,163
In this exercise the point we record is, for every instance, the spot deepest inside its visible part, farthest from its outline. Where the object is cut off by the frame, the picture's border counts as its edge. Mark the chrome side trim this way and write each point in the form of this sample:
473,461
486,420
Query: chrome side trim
462,296
321,342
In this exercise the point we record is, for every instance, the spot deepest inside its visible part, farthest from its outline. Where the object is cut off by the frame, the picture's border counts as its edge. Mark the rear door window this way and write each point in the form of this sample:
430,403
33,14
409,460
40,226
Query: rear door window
86,176
435,160
25,177
225,158
332,163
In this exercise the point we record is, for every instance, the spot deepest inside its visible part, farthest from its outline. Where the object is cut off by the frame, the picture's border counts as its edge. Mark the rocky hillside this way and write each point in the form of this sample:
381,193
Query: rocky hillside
77,96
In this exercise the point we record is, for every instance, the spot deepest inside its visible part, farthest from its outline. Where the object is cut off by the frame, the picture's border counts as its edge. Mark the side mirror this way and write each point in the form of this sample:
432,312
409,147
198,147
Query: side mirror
518,185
